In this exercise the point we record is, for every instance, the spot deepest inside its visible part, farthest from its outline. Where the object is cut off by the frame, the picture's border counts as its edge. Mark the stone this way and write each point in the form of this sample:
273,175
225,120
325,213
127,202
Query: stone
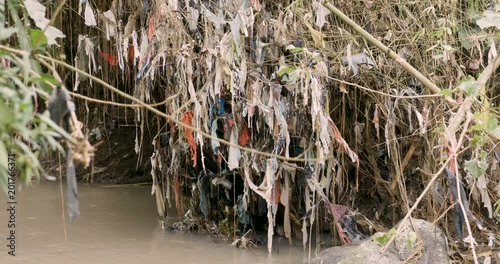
423,244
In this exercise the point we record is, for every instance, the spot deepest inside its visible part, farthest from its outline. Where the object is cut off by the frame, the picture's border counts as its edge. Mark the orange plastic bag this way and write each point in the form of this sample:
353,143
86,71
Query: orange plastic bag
244,136
188,119
111,59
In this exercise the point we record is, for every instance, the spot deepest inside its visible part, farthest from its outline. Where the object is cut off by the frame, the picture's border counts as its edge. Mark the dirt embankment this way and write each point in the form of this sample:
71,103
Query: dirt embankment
115,160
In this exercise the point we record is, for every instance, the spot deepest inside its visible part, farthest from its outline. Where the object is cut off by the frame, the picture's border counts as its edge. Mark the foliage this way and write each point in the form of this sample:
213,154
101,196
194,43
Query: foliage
383,239
25,131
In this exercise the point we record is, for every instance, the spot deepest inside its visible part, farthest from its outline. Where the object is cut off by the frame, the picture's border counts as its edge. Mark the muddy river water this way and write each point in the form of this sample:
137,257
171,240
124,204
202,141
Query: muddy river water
117,225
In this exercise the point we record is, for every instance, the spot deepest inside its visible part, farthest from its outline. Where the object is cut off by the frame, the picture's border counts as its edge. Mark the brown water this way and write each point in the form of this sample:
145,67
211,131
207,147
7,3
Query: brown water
117,225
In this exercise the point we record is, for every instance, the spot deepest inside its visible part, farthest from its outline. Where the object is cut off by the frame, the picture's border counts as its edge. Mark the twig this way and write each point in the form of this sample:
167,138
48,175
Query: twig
427,188
156,111
414,72
54,15
454,148
120,104
382,93
467,104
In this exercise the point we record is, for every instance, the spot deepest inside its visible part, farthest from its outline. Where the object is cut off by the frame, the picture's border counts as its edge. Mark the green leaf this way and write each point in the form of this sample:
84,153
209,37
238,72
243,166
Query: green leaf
3,156
294,49
478,141
476,168
492,124
469,86
37,37
446,92
478,127
465,38
411,240
286,69
384,239
7,117
44,82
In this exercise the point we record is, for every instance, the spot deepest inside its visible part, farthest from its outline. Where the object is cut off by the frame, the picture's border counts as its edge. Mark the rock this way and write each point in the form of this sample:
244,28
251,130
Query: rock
424,244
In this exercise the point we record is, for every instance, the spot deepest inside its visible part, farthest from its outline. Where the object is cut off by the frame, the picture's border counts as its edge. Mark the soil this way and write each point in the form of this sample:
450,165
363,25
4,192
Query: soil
115,160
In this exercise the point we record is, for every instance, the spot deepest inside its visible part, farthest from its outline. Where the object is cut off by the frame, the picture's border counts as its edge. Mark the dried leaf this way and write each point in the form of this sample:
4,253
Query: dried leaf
476,168
235,30
482,185
317,36
192,17
343,144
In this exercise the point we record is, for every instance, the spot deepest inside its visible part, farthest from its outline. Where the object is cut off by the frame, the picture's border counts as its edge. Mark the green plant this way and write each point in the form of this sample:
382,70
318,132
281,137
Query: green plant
25,131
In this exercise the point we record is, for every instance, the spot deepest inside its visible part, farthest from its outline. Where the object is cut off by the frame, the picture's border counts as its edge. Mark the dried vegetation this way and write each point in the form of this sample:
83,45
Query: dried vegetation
281,109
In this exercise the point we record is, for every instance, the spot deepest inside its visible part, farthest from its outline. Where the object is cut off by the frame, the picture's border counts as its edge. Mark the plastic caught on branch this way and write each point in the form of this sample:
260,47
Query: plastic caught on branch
234,153
321,12
37,12
187,119
357,60
83,59
89,16
341,141
60,107
109,22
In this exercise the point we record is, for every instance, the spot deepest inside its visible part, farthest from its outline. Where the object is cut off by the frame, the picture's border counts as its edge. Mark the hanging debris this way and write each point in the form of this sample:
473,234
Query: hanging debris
268,111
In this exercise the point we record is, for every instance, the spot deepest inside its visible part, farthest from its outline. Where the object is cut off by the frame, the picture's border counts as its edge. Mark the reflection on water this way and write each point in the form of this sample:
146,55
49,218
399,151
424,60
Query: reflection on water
117,225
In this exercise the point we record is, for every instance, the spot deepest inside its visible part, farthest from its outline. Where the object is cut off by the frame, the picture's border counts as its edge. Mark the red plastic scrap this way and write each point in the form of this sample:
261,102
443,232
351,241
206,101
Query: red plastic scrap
131,53
278,192
151,28
244,136
111,59
187,120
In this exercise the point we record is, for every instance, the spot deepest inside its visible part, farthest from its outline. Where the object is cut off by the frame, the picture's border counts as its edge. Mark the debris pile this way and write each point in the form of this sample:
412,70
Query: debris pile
276,113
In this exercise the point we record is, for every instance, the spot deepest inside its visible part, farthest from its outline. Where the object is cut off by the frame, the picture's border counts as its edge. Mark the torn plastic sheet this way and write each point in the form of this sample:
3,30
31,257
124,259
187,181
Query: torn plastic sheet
37,12
234,153
259,52
357,60
321,12
89,16
204,186
84,55
192,17
215,143
109,21
217,20
265,189
243,216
